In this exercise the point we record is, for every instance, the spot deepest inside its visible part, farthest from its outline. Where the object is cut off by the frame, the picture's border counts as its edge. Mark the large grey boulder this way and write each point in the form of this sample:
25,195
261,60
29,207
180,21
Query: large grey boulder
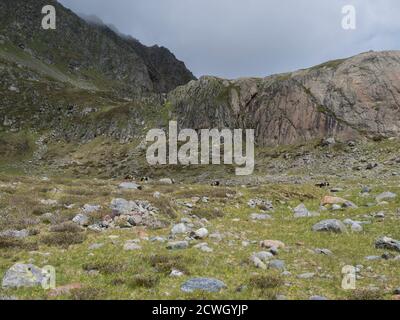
22,275
387,243
203,284
331,225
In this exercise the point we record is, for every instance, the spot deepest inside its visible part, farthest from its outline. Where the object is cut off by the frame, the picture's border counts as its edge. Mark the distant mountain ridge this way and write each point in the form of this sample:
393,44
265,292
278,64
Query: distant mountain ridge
90,50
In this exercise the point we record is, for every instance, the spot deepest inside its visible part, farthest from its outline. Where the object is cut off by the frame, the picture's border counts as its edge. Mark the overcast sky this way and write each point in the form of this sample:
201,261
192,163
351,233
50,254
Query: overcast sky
235,38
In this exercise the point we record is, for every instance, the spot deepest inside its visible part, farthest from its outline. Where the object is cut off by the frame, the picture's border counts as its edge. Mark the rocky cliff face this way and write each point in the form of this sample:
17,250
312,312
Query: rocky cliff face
347,98
90,51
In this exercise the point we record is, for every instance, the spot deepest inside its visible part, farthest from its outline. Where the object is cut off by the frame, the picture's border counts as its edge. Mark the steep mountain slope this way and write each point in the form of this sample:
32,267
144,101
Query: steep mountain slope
90,52
350,97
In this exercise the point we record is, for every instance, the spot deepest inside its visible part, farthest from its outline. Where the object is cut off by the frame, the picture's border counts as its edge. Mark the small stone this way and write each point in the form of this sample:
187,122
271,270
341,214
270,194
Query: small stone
331,225
203,284
179,229
277,264
379,215
258,263
372,258
129,186
355,227
158,239
326,252
301,211
166,181
349,204
263,255
272,244
332,200
258,216
177,245
49,202
385,196
88,208
202,233
176,273
366,190
81,219
157,195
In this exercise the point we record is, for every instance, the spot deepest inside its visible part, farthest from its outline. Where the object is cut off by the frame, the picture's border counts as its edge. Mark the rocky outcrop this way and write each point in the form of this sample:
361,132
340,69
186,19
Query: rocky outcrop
345,98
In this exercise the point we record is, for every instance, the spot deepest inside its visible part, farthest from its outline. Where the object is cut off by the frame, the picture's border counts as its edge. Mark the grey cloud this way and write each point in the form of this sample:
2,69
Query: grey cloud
233,38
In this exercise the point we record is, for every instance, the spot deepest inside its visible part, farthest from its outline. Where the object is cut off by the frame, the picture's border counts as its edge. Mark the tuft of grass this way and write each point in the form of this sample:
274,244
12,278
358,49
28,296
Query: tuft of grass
165,263
63,239
144,281
208,213
106,267
266,282
366,295
66,227
88,293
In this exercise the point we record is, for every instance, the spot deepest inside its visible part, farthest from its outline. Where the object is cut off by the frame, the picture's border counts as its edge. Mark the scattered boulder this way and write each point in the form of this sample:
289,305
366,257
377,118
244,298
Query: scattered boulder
177,245
129,186
176,273
385,196
81,219
179,228
387,243
331,225
260,259
329,200
328,142
260,204
326,252
166,181
89,208
22,275
301,211
203,284
277,264
258,263
355,227
202,233
272,244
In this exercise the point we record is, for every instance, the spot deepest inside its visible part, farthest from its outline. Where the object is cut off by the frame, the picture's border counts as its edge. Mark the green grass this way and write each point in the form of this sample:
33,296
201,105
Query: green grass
143,274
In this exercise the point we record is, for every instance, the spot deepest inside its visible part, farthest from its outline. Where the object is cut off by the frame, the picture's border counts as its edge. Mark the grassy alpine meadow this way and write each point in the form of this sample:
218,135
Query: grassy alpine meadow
126,261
